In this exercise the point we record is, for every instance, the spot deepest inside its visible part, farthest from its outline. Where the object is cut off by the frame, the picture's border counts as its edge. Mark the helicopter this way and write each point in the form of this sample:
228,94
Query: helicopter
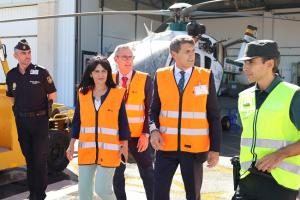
152,52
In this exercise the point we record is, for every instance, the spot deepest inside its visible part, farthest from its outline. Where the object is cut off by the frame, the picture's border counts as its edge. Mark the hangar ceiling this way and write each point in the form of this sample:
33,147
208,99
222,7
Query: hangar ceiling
230,6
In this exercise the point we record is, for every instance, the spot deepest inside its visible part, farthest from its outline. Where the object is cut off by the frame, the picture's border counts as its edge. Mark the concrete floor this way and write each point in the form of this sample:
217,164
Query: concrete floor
217,182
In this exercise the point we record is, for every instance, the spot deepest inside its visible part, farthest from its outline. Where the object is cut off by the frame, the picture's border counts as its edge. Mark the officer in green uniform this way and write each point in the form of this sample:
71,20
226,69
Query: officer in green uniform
270,115
31,88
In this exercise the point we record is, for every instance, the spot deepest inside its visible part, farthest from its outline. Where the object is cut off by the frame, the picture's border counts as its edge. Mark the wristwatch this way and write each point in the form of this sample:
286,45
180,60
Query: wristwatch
153,128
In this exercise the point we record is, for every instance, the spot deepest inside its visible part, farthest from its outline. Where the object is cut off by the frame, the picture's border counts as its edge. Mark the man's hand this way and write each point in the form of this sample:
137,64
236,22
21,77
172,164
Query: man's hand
124,150
212,159
156,140
269,162
143,143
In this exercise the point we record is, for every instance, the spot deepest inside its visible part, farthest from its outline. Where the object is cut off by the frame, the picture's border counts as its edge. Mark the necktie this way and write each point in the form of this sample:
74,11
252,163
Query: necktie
181,82
124,85
124,81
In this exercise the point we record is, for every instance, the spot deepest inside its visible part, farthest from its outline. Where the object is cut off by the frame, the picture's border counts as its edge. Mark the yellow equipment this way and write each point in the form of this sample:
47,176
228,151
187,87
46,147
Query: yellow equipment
10,152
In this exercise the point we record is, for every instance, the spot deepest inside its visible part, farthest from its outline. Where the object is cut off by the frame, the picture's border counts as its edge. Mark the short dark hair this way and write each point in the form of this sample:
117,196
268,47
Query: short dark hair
87,81
176,42
276,63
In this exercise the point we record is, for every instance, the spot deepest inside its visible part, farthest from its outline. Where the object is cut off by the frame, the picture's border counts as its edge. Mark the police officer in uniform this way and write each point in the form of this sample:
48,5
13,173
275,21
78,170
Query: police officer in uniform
31,89
270,141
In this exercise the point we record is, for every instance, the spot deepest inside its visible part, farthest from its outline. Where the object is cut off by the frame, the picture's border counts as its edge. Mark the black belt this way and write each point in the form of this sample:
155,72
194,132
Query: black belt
255,171
33,114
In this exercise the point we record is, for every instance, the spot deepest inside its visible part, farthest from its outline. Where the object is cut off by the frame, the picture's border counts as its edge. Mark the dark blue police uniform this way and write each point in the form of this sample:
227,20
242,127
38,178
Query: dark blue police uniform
30,91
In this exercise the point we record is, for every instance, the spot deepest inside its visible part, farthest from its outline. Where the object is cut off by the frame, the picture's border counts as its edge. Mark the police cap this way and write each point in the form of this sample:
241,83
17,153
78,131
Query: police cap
22,45
260,48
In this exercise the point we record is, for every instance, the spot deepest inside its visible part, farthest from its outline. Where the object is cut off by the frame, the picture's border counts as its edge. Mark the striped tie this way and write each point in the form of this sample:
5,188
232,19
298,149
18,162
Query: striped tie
181,82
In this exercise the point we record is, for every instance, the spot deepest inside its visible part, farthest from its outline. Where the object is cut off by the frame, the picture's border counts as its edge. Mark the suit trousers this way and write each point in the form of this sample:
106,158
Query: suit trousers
144,163
191,166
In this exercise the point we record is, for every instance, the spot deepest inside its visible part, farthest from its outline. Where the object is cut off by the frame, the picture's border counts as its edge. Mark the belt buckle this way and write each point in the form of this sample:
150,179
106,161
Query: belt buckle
37,114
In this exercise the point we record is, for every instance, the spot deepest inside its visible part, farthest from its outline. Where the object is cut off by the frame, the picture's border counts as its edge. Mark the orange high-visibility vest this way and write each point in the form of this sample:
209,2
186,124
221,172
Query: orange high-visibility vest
190,109
135,104
99,131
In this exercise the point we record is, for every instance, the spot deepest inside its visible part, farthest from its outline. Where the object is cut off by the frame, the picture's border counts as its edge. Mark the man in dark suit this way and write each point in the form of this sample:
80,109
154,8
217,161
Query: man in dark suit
185,121
138,98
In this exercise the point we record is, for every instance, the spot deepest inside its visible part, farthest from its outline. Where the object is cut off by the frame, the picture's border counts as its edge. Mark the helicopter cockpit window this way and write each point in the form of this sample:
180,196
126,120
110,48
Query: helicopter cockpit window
207,63
197,60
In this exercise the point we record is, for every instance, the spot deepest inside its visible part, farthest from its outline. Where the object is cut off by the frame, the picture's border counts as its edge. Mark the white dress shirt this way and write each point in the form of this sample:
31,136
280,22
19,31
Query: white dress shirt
129,76
97,103
187,74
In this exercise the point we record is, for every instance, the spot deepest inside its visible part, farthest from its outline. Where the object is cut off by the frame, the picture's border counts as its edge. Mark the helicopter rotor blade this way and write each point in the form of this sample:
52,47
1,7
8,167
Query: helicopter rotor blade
206,15
195,14
186,12
133,12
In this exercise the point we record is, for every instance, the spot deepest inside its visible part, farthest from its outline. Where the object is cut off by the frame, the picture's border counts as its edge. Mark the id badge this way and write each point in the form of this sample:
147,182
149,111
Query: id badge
200,90
34,72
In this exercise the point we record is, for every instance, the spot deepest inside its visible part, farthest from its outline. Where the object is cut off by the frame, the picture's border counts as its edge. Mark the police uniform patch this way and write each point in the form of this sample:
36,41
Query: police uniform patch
49,79
34,71
24,47
14,86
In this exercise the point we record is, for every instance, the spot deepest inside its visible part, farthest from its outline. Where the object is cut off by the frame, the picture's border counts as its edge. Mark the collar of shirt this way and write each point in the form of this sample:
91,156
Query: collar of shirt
187,74
30,66
129,76
273,84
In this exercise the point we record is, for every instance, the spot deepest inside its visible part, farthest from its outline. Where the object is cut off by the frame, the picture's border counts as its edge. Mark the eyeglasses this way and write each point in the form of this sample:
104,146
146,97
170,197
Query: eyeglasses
126,57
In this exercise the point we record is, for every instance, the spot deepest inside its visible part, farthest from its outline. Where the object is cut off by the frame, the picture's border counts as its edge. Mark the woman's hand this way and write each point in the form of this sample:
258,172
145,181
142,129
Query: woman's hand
70,150
124,150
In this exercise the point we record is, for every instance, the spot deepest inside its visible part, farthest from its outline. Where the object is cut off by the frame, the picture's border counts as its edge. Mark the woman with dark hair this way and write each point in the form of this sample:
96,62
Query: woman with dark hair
100,123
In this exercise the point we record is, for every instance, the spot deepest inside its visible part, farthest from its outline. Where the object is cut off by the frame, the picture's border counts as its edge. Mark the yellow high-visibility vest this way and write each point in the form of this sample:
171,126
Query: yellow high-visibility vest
273,129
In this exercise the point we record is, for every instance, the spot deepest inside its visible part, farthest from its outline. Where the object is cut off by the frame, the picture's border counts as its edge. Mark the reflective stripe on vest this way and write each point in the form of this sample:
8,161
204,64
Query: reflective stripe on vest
135,107
107,131
187,115
184,131
274,130
102,145
265,143
105,135
136,120
194,132
282,165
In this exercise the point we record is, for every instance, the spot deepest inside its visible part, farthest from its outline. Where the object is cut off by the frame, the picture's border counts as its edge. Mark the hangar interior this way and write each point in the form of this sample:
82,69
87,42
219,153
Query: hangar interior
62,44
